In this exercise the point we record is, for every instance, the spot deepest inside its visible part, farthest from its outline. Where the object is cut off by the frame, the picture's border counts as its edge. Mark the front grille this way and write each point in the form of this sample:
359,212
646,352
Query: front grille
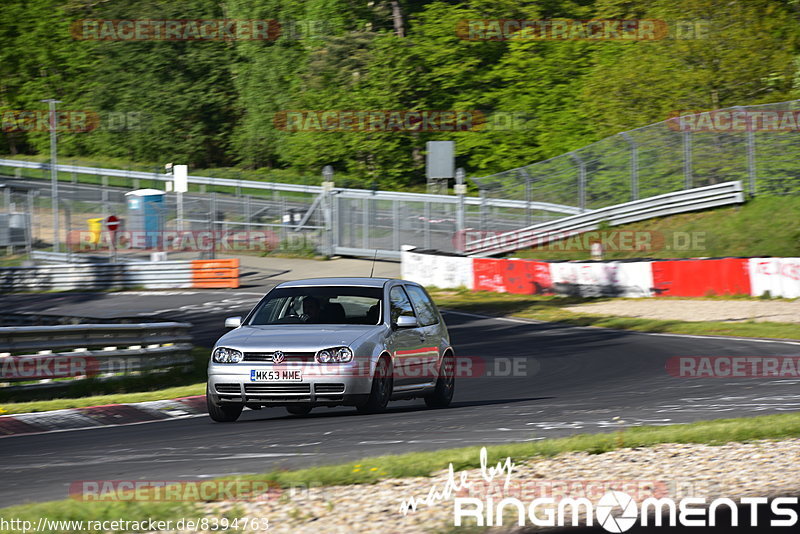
332,389
228,388
288,357
280,399
277,389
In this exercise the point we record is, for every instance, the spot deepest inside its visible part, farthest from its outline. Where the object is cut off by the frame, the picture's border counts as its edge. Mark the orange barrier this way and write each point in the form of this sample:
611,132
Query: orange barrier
215,273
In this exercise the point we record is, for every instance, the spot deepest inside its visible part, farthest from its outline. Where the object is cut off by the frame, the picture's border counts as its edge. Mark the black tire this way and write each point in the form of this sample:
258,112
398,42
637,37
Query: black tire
227,413
299,409
381,392
445,384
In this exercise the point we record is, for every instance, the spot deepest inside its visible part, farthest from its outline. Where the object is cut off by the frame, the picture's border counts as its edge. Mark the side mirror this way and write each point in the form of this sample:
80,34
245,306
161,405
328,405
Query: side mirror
233,322
404,321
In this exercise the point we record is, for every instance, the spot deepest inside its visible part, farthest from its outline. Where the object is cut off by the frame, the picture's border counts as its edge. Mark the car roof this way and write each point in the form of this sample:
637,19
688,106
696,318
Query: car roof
337,281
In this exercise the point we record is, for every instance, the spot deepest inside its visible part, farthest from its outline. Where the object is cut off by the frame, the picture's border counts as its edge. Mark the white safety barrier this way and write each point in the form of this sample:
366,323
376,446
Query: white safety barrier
780,277
436,270
602,279
777,277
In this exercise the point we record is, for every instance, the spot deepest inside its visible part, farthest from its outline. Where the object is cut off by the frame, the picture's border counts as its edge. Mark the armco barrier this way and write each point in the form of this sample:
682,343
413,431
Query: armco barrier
700,278
32,356
780,277
147,275
711,196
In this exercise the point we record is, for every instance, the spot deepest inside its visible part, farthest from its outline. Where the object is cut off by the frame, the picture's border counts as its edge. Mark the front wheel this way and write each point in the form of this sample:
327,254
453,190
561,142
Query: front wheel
381,391
227,413
445,384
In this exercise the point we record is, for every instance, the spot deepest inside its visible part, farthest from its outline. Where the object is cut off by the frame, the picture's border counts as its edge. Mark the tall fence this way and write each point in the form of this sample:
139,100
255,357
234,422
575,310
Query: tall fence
293,217
756,145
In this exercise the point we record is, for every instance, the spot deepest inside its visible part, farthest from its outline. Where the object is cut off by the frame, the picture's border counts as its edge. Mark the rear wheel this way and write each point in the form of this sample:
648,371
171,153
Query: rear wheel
227,413
445,384
381,391
300,409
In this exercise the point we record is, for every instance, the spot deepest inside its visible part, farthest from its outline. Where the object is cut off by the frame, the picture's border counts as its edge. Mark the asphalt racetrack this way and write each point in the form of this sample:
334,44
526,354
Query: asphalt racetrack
573,380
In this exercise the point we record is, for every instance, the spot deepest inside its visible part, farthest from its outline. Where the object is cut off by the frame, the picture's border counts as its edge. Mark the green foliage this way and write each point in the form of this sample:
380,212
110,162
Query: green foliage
214,104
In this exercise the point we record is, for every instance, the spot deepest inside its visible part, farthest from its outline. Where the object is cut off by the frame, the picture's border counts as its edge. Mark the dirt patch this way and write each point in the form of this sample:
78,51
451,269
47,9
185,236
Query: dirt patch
697,310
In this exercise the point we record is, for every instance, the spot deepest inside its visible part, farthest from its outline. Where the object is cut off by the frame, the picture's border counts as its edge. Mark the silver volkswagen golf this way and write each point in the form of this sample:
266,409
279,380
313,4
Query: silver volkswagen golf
331,342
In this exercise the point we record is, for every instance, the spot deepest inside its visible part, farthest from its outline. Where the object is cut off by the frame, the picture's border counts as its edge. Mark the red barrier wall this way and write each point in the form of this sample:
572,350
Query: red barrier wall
698,278
523,277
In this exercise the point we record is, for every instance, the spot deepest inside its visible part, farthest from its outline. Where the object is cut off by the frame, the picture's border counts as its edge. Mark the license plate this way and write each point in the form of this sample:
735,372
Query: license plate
272,375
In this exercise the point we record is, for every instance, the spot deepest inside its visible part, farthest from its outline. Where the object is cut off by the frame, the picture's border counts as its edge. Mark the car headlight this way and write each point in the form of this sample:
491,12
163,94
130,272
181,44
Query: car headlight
226,355
335,355
344,354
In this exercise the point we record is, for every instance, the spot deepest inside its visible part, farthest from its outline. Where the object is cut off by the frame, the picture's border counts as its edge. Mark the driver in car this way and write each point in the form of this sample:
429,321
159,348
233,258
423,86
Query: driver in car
311,310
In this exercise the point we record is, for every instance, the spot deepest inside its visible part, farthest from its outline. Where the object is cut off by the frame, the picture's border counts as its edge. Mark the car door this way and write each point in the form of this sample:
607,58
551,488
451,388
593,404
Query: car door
430,331
405,343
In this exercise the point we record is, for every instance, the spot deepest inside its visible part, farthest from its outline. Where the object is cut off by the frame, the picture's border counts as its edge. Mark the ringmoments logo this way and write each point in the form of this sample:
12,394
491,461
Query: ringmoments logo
615,510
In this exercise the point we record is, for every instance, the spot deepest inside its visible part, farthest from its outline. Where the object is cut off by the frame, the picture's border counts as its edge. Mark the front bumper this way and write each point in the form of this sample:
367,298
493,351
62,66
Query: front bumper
322,385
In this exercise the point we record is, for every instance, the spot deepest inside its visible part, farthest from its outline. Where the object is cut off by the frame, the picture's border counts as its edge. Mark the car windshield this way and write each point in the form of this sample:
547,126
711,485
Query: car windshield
320,305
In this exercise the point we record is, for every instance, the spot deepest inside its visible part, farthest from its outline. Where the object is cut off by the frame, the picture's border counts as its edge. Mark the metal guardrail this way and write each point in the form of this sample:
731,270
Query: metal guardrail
18,339
147,275
299,188
47,319
34,357
711,196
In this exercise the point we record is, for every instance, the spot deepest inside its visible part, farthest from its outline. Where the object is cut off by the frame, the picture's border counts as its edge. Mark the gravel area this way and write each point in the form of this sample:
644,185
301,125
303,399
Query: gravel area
734,470
697,310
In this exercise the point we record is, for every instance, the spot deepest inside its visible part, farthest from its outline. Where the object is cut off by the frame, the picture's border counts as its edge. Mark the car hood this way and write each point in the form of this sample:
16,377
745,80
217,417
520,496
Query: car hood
294,337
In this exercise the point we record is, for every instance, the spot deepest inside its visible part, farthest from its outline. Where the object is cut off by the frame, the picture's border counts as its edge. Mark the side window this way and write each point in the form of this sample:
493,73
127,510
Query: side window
400,303
426,310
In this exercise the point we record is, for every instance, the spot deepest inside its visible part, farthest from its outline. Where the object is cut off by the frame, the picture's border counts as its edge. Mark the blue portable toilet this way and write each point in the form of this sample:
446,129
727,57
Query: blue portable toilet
146,215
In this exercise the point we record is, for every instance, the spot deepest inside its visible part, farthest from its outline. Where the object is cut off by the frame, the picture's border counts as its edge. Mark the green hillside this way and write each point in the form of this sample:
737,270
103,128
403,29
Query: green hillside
767,226
223,103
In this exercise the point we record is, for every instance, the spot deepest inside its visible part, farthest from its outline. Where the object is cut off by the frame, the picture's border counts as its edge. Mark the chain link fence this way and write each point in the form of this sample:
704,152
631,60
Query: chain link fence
210,223
754,144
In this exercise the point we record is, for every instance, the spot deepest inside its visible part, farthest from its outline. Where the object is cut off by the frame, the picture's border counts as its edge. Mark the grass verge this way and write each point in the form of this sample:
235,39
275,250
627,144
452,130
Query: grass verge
370,470
550,308
100,400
